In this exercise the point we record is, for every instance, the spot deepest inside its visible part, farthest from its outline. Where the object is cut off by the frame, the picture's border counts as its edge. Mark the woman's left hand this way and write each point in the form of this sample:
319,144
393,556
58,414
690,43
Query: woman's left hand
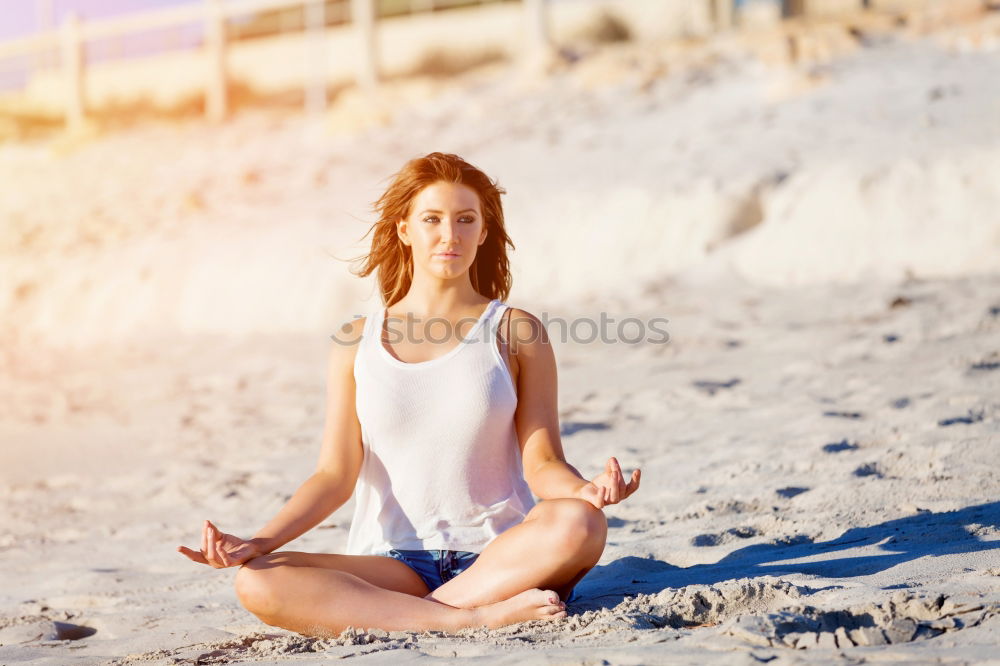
609,486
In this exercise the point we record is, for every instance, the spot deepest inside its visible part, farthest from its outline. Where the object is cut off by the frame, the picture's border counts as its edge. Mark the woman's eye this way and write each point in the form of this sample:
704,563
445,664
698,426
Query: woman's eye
466,218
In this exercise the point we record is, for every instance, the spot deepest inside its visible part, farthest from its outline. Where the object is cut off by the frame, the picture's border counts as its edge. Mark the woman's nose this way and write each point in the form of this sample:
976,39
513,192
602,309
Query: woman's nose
449,230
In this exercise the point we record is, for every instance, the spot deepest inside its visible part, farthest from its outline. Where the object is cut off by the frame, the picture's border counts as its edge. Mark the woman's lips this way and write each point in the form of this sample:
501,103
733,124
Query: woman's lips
446,255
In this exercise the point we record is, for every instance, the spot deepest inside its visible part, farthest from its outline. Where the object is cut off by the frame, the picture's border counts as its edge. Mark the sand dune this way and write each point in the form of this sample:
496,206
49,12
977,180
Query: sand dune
884,170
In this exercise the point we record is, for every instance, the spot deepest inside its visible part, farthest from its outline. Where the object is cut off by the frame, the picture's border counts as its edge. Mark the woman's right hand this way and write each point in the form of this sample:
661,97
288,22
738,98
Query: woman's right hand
221,550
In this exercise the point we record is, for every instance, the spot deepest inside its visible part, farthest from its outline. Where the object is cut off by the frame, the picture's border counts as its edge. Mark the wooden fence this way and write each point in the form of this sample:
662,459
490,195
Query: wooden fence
69,40
214,17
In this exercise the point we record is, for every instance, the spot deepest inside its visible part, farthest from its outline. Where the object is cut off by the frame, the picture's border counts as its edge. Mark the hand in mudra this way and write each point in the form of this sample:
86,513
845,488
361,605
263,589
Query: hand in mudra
221,550
609,487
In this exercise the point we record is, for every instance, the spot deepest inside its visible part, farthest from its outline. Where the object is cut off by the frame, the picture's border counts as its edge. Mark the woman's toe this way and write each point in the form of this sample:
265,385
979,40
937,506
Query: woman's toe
550,596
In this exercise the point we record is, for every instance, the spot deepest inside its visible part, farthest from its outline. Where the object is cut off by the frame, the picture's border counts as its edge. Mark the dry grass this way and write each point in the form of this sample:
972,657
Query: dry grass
439,63
605,28
22,126
122,114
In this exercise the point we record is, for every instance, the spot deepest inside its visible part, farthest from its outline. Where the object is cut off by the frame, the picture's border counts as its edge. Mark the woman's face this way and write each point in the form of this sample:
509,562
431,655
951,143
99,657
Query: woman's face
444,229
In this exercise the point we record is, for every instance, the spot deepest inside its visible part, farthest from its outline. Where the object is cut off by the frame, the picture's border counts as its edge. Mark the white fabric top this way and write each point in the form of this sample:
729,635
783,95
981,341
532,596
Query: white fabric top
442,467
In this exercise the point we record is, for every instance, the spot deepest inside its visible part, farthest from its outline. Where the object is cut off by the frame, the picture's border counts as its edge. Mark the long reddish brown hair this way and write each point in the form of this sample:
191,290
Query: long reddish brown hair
393,261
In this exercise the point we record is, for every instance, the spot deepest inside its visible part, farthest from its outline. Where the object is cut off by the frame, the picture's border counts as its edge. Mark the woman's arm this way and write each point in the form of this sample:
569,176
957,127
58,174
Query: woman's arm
332,484
537,422
326,490
537,418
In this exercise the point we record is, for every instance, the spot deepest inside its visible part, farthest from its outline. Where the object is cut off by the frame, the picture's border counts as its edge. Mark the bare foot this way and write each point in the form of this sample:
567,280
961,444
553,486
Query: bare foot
533,604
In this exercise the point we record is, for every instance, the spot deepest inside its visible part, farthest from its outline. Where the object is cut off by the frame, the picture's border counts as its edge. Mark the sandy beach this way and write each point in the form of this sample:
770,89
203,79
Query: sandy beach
818,437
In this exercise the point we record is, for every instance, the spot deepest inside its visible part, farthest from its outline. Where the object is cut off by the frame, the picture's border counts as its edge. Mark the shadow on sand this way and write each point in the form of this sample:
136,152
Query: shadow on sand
924,534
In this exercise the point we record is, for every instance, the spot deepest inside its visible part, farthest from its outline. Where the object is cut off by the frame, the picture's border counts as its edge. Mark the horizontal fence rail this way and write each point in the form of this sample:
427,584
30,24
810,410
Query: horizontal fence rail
65,44
213,26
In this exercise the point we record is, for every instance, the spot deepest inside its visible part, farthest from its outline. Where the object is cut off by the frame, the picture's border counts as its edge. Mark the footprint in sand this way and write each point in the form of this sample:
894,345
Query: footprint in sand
792,540
573,427
703,540
791,491
843,415
990,362
869,469
837,447
713,387
742,532
900,302
968,419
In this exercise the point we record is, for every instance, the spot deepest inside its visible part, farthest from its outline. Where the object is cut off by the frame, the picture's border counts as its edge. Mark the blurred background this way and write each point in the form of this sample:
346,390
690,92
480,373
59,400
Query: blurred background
172,167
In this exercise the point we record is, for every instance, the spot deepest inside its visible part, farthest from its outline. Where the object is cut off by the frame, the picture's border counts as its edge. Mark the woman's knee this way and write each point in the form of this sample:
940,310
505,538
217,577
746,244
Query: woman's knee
256,587
579,525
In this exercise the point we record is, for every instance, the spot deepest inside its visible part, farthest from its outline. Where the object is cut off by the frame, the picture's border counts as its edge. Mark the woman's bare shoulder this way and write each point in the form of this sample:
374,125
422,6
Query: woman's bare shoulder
345,341
526,330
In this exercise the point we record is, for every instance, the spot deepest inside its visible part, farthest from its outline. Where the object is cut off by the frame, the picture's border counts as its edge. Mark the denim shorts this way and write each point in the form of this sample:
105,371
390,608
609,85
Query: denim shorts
437,567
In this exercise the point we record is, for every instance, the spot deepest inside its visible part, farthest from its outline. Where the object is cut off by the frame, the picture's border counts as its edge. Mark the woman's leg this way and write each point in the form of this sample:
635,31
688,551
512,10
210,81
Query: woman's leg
379,570
284,590
556,544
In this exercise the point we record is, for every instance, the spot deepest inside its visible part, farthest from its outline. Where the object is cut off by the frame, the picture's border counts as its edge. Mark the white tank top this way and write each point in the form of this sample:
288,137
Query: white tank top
442,467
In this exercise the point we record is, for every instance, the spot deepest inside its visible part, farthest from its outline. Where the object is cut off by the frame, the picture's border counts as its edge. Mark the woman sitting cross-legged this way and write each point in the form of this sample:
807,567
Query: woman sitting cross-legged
442,421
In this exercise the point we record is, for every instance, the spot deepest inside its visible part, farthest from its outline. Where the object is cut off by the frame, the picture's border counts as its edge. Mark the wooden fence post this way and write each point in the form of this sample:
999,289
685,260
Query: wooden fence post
215,45
45,22
722,13
538,46
363,16
793,7
316,56
73,68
